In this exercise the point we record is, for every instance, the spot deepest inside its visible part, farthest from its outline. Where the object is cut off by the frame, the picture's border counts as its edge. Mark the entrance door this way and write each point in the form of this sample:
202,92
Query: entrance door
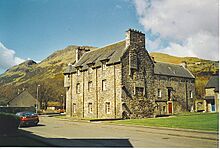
170,108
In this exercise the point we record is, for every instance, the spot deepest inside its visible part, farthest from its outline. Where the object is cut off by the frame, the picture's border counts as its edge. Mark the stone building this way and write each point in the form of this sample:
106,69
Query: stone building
211,102
122,80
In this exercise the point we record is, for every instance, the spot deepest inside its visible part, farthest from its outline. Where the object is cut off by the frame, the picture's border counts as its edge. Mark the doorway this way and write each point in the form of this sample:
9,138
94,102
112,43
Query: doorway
170,108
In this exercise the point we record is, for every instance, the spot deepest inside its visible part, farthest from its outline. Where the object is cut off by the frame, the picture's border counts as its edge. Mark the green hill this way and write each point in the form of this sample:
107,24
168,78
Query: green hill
49,74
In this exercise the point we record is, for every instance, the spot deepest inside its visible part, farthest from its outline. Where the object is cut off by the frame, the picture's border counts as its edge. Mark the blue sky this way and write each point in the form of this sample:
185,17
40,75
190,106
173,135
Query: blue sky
34,29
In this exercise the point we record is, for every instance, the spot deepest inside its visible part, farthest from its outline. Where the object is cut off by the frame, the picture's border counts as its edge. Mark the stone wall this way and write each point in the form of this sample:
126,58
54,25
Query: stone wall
137,77
180,95
95,96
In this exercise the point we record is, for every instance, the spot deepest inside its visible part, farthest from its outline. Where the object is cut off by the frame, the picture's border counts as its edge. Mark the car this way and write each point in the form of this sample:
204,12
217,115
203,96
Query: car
28,118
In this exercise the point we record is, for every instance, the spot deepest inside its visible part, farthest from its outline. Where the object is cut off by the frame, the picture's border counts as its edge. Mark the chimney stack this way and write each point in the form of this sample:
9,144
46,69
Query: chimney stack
80,51
184,64
135,39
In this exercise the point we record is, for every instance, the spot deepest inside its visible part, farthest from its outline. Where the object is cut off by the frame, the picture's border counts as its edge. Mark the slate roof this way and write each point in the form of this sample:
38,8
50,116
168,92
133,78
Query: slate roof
213,83
171,70
112,53
24,99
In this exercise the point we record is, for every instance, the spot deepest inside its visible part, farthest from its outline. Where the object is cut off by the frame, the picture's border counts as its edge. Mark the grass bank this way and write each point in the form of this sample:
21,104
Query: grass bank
196,121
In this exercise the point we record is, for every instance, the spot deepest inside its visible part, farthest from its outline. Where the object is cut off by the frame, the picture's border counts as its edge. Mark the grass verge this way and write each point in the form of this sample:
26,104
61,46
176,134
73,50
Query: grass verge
197,121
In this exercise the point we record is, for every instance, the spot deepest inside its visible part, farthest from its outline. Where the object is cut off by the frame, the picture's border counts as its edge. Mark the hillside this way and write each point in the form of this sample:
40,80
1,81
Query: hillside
49,74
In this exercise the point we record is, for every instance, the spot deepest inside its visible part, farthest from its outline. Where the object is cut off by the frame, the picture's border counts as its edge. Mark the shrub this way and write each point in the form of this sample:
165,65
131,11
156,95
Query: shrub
8,123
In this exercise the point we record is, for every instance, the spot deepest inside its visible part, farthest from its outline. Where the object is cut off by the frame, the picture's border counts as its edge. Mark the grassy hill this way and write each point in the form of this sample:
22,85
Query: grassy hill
49,74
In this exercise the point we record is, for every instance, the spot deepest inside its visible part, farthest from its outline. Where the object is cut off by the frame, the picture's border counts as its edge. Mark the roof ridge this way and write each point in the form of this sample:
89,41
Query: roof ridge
169,63
96,49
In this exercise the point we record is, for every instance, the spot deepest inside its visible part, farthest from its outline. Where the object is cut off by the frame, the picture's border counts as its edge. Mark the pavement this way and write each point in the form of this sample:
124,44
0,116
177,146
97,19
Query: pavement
65,133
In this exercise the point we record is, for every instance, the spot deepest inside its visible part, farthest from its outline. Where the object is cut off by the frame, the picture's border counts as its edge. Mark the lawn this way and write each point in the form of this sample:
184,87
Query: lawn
197,121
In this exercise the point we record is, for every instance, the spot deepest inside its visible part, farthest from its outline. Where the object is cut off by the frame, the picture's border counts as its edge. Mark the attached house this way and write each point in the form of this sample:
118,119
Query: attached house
123,80
24,99
212,95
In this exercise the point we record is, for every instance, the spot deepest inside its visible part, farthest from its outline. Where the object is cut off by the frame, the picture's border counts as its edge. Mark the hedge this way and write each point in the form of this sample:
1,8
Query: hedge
8,123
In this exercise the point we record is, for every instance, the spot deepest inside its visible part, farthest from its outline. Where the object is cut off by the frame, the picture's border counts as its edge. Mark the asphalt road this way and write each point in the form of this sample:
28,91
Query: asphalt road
19,140
61,132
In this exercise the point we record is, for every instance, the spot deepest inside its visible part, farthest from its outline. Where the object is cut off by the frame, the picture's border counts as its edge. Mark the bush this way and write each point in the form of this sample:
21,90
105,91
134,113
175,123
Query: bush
8,123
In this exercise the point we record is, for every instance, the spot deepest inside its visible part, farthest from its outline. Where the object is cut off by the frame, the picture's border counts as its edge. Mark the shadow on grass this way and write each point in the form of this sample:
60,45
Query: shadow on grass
78,142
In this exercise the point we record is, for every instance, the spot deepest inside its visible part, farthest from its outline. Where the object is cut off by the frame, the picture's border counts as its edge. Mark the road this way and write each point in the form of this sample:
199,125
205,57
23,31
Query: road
66,133
19,140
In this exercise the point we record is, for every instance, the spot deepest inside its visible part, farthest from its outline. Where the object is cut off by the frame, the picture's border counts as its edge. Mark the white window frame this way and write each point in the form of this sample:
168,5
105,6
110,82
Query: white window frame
90,86
74,108
78,88
159,93
191,94
107,107
90,70
104,65
104,84
89,107
78,72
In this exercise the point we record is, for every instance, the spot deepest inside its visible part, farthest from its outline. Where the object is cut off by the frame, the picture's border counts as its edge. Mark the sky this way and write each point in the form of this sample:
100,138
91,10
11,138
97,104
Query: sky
34,29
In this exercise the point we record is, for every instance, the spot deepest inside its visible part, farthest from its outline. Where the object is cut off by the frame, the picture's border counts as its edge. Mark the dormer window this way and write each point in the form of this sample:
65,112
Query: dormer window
90,69
104,65
78,72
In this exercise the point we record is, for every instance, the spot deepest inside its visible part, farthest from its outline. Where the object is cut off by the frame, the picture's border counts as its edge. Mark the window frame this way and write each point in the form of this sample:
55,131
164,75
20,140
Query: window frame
159,93
74,108
78,88
104,65
107,107
90,107
191,94
90,86
104,85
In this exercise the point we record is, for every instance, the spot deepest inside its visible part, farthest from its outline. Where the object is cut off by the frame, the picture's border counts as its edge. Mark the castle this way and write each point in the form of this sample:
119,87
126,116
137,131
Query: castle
121,80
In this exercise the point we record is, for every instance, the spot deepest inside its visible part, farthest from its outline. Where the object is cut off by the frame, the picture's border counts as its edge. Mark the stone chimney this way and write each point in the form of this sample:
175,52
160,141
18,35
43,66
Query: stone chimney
80,51
152,57
184,64
135,39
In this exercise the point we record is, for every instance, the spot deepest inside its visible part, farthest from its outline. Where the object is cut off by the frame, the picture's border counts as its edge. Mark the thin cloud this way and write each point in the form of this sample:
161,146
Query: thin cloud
190,27
8,57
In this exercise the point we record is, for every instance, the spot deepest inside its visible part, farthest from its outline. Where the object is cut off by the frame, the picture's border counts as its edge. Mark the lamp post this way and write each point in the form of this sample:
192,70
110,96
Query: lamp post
37,98
62,101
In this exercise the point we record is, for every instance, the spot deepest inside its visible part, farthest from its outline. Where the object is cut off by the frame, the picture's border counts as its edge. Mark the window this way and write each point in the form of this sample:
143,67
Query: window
103,85
158,93
74,108
78,88
90,108
139,91
90,70
103,65
164,109
191,94
90,86
78,72
107,107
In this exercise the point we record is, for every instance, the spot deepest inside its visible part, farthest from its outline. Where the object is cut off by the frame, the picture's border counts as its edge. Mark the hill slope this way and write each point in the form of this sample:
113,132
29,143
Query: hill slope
49,74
